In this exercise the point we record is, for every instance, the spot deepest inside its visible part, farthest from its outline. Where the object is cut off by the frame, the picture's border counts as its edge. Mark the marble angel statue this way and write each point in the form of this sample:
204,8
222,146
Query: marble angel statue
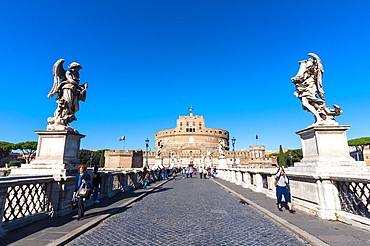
70,92
160,148
221,147
308,84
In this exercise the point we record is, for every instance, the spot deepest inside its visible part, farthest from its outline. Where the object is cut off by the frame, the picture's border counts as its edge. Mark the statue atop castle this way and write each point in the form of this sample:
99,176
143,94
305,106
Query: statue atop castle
308,84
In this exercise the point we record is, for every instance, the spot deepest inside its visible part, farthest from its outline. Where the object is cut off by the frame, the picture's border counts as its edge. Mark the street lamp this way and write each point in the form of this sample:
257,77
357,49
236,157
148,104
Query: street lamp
91,157
169,160
147,146
234,164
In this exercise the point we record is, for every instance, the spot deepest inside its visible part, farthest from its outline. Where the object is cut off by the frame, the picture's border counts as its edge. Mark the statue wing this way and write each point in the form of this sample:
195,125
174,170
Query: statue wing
318,75
59,74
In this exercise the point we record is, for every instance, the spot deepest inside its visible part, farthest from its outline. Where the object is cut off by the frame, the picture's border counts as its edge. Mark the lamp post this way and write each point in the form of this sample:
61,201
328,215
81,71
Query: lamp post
91,157
169,160
234,164
146,157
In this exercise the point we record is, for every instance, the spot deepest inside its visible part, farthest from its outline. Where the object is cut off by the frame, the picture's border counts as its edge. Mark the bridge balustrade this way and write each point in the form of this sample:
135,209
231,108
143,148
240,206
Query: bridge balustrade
345,198
24,200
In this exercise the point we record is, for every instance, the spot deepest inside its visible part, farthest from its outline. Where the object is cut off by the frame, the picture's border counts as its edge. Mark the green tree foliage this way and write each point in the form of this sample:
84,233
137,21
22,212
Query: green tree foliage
273,154
360,143
28,148
293,155
5,148
281,157
102,159
97,157
14,164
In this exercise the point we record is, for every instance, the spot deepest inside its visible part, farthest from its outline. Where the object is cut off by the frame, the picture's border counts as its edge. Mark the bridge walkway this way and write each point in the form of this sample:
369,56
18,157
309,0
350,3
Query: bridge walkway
187,212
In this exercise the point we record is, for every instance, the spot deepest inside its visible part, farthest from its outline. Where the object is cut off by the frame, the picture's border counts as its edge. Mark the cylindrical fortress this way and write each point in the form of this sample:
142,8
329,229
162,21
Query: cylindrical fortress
191,136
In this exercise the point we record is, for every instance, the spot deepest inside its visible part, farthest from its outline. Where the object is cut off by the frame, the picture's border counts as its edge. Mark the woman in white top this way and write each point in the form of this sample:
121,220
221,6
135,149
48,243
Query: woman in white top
281,189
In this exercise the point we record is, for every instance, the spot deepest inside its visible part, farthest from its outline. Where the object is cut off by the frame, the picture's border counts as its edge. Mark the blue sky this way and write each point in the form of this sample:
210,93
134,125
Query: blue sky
145,60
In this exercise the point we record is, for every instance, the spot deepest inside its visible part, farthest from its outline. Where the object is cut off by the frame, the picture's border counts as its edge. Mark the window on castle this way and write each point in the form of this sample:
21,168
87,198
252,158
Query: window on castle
193,123
180,123
187,123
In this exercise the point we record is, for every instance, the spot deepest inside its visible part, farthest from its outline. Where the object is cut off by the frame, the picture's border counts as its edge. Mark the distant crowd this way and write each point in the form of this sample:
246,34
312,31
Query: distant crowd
187,172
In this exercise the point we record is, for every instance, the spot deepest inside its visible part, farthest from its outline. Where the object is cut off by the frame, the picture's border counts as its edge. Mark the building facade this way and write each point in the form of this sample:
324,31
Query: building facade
190,143
190,136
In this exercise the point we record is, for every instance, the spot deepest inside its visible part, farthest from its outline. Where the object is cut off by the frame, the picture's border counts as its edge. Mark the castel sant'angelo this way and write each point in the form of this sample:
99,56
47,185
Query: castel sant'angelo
190,143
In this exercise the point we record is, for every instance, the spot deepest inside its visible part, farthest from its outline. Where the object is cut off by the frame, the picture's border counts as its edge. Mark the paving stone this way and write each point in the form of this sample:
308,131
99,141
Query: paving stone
189,212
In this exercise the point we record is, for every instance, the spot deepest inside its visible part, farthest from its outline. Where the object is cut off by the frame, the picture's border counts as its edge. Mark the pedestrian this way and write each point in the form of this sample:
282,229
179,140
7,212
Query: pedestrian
282,183
146,177
168,172
81,182
191,170
209,170
183,171
174,173
96,183
165,171
187,172
162,172
200,171
205,172
214,172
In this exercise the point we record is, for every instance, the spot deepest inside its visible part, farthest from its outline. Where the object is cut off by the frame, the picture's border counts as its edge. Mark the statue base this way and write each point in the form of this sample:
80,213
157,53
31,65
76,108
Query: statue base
325,150
57,155
222,162
158,162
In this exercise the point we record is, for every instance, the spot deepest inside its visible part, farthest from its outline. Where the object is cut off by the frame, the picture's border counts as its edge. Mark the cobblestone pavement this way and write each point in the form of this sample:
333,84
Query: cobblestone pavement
189,212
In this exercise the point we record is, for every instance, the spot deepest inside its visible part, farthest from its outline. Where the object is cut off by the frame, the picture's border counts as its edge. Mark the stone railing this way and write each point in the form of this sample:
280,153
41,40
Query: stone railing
24,200
345,198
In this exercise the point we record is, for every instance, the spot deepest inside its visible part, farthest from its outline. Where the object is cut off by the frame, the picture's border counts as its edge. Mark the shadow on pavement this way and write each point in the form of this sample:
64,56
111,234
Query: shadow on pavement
68,222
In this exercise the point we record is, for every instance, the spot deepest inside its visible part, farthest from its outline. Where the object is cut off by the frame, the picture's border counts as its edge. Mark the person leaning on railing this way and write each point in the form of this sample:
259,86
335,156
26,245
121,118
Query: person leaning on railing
282,183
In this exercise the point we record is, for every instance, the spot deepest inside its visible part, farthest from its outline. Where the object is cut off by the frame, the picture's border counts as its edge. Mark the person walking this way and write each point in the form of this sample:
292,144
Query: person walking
282,183
165,171
205,172
183,170
174,173
81,181
96,183
200,171
214,172
187,172
209,170
146,178
191,170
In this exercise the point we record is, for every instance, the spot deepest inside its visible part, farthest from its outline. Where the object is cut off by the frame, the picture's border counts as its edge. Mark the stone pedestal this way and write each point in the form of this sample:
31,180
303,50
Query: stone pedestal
159,162
325,149
57,154
325,155
222,162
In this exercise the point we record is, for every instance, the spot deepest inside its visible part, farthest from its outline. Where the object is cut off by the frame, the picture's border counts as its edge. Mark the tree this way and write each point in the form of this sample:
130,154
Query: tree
360,144
97,157
28,148
102,159
281,157
5,148
293,155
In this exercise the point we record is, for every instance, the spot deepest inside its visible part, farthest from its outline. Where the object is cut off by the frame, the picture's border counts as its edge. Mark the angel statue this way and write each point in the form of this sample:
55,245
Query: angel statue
66,84
221,147
160,148
308,84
